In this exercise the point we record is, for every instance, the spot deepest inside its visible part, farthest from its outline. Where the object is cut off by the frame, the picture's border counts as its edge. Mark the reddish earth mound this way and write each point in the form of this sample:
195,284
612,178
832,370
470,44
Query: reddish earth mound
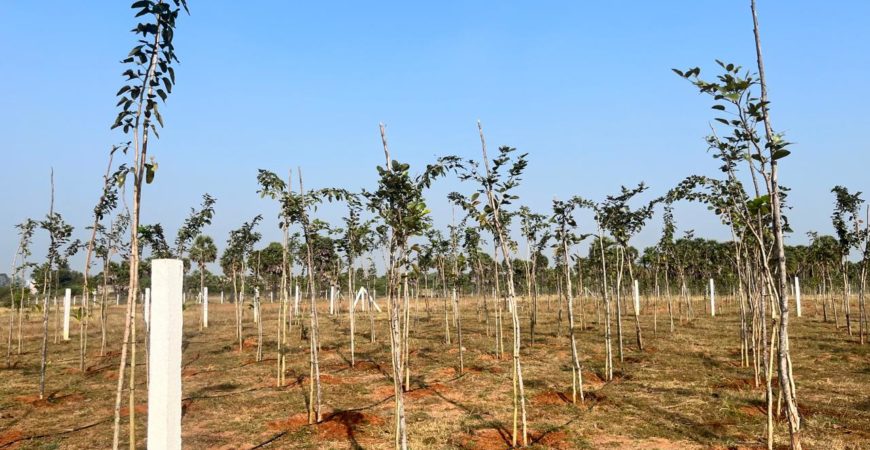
426,391
445,372
10,436
551,439
249,343
591,378
141,408
52,400
366,365
383,392
551,398
339,425
295,422
487,439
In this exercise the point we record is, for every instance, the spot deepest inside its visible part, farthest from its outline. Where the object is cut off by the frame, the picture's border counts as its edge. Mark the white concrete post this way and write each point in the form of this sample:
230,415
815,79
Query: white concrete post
222,297
331,300
271,296
636,298
117,299
712,299
296,301
797,295
205,307
256,305
146,307
67,297
164,358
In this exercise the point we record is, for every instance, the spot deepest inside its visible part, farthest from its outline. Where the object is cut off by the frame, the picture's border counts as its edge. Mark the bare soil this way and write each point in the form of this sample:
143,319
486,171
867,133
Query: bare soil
687,390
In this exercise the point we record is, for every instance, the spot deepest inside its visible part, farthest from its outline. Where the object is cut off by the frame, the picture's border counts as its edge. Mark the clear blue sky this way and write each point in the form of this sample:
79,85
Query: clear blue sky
584,87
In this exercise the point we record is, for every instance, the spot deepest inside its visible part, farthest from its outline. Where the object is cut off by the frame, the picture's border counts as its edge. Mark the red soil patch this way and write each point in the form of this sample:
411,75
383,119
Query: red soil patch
342,425
295,422
50,401
495,369
446,372
110,375
591,378
188,373
334,426
10,436
487,439
553,439
487,357
141,408
366,365
551,398
249,343
427,391
383,392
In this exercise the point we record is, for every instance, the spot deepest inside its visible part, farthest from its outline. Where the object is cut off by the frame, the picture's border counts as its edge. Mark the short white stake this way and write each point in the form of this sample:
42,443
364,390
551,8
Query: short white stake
296,301
164,358
712,299
636,298
797,295
331,300
256,305
205,307
67,297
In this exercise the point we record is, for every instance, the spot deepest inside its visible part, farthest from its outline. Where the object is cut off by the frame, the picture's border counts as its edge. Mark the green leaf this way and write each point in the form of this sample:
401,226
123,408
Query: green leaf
719,107
150,169
781,153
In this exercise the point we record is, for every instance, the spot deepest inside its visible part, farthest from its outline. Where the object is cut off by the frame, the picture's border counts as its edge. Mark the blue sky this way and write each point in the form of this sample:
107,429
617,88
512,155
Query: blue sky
584,87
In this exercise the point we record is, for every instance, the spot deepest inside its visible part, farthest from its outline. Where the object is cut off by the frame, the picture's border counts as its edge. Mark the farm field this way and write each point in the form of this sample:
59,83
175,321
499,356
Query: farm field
686,390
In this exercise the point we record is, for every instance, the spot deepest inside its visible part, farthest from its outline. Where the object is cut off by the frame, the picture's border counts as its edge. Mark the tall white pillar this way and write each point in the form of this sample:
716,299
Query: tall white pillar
636,298
296,301
797,295
256,305
67,297
222,297
164,358
331,300
205,307
146,307
712,299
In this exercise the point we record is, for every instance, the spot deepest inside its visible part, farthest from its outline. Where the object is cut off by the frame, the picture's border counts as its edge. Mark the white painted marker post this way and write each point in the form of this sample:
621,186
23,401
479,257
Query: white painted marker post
146,308
636,298
296,301
331,300
797,295
67,297
256,305
712,299
222,297
164,359
205,307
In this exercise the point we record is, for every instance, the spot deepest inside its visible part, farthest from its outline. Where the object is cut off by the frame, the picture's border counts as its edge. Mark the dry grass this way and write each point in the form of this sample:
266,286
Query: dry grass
687,390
